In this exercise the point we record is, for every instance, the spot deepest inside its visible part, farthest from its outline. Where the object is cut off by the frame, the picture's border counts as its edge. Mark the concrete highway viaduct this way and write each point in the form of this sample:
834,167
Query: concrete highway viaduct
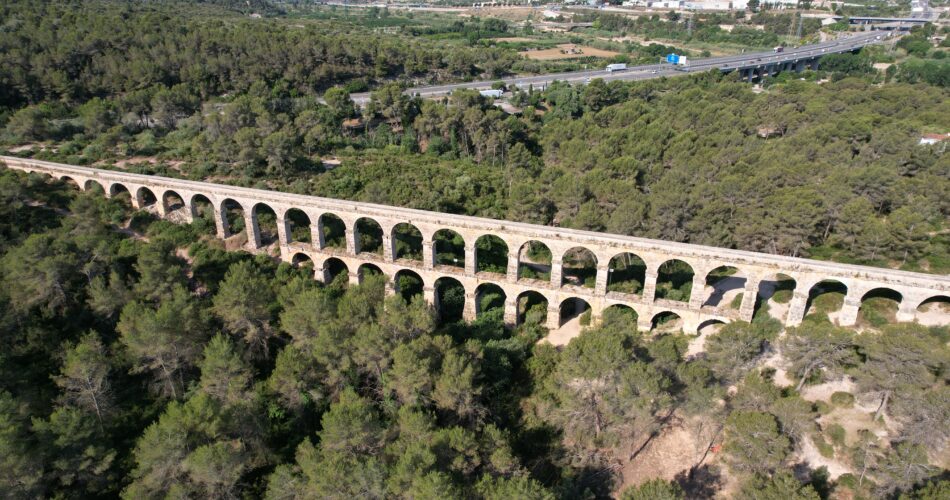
304,224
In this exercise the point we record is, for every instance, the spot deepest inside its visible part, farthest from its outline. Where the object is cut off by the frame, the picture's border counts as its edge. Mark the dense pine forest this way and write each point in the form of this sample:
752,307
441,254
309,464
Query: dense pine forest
143,359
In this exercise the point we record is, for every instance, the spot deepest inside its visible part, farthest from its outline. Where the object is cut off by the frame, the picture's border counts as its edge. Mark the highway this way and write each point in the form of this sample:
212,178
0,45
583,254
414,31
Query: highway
646,72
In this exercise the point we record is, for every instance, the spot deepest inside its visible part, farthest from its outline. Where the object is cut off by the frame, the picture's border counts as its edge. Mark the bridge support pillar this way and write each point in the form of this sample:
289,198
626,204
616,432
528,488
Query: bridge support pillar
749,297
253,231
221,222
644,323
431,298
316,235
390,287
389,252
907,311
697,294
557,268
512,274
471,266
320,241
849,311
511,311
283,231
428,256
352,240
796,308
470,309
649,286
554,317
353,277
603,274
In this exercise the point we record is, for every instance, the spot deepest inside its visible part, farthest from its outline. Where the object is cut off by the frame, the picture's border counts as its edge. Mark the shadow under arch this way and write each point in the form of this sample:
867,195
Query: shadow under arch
490,298
532,308
666,321
491,255
408,284
449,299
825,297
727,285
574,308
335,272
879,306
674,280
619,314
626,273
448,248
407,242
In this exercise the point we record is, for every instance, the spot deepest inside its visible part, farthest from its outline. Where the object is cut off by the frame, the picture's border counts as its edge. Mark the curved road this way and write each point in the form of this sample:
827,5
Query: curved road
725,63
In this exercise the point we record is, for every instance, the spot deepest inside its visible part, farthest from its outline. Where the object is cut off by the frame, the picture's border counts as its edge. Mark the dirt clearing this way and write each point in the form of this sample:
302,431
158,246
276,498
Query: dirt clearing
567,51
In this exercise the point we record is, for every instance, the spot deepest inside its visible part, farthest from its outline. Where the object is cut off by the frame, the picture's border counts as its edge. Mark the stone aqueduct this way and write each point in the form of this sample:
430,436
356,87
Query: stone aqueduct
913,288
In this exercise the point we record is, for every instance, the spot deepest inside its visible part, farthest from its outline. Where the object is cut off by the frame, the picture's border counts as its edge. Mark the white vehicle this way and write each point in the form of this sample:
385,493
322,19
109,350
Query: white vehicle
493,93
615,67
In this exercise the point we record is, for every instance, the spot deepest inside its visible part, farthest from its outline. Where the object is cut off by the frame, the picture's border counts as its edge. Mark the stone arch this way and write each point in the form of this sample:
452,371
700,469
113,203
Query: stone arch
370,235
879,306
933,311
120,192
407,242
532,307
449,299
626,273
666,321
232,218
408,283
145,197
534,261
298,225
674,280
579,267
335,271
366,270
574,308
332,231
301,259
826,297
490,297
619,313
94,186
70,182
202,208
724,288
710,323
448,248
265,223
172,201
491,254
775,296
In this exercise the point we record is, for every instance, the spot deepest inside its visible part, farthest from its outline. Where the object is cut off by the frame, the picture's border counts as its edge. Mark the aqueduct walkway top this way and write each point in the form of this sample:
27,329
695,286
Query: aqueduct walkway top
755,268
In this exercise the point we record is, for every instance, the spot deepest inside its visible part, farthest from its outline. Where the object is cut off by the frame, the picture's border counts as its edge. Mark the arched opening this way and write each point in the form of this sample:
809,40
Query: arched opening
449,299
934,311
674,281
94,187
534,261
202,208
266,220
448,248
301,259
775,294
579,268
367,270
333,231
574,312
71,183
371,236
710,326
826,299
626,273
491,255
335,270
232,215
619,314
490,299
666,321
532,308
724,288
298,226
145,197
408,284
172,201
120,193
408,242
879,307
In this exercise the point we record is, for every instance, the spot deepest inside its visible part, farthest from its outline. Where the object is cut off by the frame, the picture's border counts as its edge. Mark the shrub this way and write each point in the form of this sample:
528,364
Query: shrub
822,407
837,434
824,448
842,399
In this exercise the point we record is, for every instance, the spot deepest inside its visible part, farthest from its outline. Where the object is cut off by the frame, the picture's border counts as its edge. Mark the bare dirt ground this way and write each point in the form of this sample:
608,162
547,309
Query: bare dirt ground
698,344
567,51
513,39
